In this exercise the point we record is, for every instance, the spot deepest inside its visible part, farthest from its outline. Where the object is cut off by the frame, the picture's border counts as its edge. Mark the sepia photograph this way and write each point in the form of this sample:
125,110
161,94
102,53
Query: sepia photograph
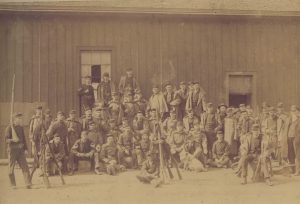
149,101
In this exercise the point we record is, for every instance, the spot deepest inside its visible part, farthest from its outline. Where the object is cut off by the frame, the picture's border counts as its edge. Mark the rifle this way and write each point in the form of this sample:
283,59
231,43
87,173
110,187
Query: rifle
45,139
15,138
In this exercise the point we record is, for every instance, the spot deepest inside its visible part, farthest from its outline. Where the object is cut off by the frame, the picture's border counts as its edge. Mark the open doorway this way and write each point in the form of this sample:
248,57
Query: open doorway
241,89
94,64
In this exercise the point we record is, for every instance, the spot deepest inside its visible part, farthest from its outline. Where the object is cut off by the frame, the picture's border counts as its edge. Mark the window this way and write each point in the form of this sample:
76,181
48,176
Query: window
94,64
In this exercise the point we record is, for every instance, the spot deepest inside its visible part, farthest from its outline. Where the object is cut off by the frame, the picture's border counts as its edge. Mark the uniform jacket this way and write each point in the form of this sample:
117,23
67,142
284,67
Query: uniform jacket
200,104
58,151
122,84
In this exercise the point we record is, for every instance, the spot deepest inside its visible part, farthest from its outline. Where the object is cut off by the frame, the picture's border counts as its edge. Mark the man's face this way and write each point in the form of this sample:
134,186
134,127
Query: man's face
179,128
124,123
223,109
153,114
255,133
272,114
182,87
155,90
196,87
129,74
220,137
88,115
38,112
92,127
169,88
56,140
139,116
83,136
190,114
88,81
60,117
72,115
138,96
173,115
110,140
18,121
105,79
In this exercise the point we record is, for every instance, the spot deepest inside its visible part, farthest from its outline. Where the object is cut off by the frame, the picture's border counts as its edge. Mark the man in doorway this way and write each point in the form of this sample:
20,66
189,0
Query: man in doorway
86,94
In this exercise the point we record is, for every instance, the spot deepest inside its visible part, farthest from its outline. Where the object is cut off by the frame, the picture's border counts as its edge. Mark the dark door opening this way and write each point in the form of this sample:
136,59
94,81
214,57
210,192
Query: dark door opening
96,73
236,99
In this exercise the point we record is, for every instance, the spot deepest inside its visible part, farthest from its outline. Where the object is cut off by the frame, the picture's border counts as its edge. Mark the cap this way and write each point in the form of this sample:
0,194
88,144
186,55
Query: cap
18,114
222,105
87,77
72,111
48,111
56,135
88,111
91,122
137,91
182,83
196,82
255,127
152,110
219,132
173,111
60,113
124,119
242,105
105,74
280,105
155,86
294,107
168,83
114,93
39,107
190,110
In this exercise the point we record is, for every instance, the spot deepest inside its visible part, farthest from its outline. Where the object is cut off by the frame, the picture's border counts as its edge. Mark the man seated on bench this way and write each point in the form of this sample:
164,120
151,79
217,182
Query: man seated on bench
83,149
59,154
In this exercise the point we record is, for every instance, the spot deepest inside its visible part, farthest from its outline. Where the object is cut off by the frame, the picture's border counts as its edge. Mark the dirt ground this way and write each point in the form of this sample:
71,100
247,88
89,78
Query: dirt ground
214,186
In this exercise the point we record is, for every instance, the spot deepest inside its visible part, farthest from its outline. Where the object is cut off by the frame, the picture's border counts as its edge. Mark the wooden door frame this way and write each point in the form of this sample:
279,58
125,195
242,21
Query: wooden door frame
253,91
80,49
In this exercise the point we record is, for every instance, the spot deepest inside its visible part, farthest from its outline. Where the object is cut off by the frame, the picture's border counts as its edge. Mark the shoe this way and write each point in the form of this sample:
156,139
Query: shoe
98,172
14,187
71,173
28,186
296,174
269,182
244,181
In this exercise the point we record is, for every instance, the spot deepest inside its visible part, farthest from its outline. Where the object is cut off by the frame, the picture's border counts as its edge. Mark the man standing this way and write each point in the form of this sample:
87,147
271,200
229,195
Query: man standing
17,149
105,89
196,100
140,101
171,98
282,143
209,123
190,120
128,82
183,95
157,102
115,108
74,129
86,94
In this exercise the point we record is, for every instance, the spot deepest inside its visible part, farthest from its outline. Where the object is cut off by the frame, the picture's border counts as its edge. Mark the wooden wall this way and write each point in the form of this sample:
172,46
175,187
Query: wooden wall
200,48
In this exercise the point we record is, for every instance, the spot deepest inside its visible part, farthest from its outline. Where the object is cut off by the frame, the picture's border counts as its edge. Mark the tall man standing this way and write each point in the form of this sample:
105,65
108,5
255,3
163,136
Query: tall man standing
17,149
128,82
105,89
196,100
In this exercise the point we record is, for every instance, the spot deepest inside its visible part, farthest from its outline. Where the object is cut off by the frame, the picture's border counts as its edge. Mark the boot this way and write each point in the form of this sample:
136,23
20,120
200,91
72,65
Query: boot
12,179
269,182
244,181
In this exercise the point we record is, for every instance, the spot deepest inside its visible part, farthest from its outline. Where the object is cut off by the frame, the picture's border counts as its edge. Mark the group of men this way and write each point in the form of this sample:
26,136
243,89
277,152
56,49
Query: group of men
122,130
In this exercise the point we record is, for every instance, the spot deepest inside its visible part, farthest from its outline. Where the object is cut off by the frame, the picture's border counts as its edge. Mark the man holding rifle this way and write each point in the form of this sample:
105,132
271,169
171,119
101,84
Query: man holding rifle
17,150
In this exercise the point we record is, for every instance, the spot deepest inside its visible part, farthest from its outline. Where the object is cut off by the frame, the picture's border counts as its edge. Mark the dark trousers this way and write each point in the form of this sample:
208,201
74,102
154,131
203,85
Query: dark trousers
17,155
73,161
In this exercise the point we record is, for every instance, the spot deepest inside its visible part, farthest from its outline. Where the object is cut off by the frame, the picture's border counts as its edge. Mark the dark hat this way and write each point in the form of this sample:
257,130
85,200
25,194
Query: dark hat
182,83
105,74
255,127
137,91
222,105
190,83
242,105
280,105
88,110
39,107
72,111
18,114
91,122
168,83
196,82
56,135
152,110
294,107
60,113
244,111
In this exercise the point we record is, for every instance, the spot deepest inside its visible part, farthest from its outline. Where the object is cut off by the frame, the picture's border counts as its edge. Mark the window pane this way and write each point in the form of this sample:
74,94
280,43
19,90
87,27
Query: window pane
86,58
105,57
95,58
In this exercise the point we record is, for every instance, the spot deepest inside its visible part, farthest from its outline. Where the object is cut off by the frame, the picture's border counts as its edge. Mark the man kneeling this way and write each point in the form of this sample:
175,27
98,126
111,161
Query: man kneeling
83,149
220,151
109,156
58,149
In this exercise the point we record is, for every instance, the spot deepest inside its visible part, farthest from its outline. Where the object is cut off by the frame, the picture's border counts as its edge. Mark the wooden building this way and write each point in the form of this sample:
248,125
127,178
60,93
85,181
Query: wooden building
239,52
